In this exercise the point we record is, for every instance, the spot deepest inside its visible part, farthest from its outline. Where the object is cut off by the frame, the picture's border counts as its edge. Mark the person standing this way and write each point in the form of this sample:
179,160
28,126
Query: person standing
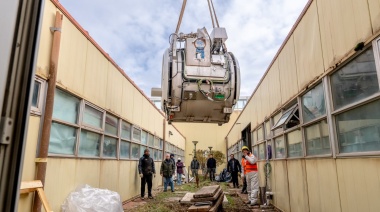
243,177
234,168
211,166
167,172
146,171
194,166
180,166
251,176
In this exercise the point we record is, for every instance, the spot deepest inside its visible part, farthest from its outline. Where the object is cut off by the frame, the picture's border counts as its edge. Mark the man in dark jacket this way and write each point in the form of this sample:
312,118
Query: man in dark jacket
167,171
211,166
194,166
234,168
146,171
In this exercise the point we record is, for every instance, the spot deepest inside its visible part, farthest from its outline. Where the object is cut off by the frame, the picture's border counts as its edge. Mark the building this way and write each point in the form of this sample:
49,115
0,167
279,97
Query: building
102,121
317,107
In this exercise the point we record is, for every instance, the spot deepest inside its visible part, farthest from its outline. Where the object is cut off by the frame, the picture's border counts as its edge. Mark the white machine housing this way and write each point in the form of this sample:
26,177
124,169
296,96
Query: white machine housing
200,81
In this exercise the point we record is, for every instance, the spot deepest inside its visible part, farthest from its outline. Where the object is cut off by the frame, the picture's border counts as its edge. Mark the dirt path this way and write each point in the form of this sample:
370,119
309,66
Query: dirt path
169,201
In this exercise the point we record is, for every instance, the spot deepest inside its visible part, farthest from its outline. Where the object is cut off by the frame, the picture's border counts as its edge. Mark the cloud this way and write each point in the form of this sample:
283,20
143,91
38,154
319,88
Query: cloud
136,33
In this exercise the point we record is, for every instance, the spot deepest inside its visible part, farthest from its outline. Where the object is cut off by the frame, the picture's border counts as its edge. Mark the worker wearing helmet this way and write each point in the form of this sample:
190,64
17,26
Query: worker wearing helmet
243,175
251,175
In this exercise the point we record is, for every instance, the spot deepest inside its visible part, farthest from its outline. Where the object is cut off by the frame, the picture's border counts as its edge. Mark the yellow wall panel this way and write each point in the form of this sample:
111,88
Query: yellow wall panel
274,87
159,126
146,107
72,58
265,98
307,45
257,102
59,183
343,24
82,170
114,89
127,101
322,188
124,179
288,71
29,166
95,80
46,39
359,184
281,193
137,105
297,185
109,175
374,9
260,166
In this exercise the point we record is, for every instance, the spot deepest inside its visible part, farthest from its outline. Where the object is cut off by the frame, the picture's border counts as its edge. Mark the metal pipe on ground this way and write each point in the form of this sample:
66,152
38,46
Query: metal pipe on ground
44,145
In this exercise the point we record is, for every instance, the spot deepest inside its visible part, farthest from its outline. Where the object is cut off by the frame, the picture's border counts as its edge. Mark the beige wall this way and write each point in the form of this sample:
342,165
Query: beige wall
324,36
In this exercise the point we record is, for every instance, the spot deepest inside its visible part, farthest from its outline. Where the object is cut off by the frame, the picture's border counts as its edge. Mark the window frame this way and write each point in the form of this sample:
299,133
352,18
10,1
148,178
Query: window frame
40,99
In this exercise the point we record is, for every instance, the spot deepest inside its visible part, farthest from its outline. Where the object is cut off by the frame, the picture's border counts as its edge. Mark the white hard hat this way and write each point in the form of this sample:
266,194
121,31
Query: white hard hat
179,158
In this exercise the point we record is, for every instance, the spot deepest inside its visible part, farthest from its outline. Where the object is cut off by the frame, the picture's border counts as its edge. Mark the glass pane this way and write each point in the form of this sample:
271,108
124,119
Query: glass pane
36,93
92,117
161,143
285,117
313,104
62,139
294,144
317,139
155,154
124,149
269,150
151,140
136,134
156,142
279,147
260,134
125,130
256,151
159,155
109,147
359,129
267,129
254,138
262,151
275,120
355,81
65,107
135,151
112,124
142,149
144,137
89,144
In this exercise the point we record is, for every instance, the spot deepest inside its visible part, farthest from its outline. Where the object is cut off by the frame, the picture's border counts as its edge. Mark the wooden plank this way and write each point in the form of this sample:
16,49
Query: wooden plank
213,198
44,201
207,191
218,203
187,198
199,208
30,186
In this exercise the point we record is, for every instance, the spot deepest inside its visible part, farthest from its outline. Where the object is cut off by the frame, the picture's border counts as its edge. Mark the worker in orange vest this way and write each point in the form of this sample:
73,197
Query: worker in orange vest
252,176
243,178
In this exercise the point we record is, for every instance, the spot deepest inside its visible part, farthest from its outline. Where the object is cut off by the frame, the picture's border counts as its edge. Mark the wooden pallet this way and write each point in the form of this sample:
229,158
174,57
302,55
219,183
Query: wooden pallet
199,208
217,204
213,198
31,186
207,191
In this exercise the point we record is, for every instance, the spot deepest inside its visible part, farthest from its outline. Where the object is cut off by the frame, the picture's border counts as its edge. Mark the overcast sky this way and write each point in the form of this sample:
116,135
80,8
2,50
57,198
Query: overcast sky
136,33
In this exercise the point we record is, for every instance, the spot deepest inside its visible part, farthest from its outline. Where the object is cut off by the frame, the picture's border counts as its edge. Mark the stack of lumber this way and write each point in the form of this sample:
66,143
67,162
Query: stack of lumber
208,198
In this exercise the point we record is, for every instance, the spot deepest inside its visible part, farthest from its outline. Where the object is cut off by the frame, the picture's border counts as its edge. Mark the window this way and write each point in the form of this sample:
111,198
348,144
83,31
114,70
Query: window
159,155
355,81
93,117
36,93
260,134
151,140
38,96
262,151
109,147
161,143
142,149
155,154
112,125
267,129
294,142
289,119
124,149
313,104
359,129
144,137
317,139
156,142
135,151
136,134
279,147
89,144
62,139
254,137
125,130
276,118
65,107
256,151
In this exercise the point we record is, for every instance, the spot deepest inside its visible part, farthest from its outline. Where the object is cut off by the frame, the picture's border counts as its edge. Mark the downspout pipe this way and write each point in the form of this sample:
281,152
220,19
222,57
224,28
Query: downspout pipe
45,136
